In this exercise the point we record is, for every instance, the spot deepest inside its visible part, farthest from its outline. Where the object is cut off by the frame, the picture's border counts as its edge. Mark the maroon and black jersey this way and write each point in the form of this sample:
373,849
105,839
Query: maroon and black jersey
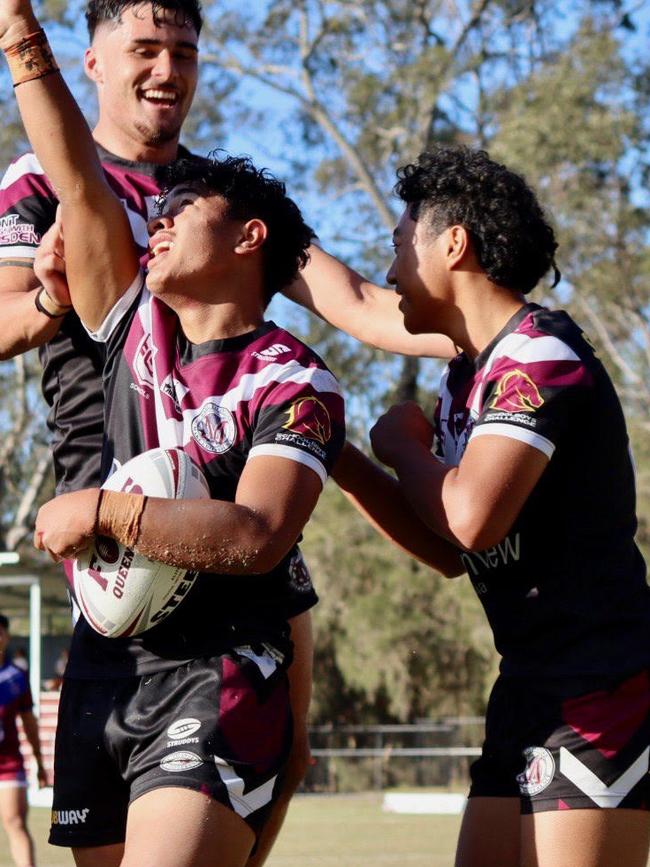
565,591
72,362
15,698
224,402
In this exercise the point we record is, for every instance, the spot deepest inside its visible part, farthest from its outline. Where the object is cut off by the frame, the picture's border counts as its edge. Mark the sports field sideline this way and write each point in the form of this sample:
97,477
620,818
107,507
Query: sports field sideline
322,831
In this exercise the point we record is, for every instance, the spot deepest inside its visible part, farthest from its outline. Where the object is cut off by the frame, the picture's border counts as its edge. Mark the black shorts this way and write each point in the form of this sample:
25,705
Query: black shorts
219,725
558,753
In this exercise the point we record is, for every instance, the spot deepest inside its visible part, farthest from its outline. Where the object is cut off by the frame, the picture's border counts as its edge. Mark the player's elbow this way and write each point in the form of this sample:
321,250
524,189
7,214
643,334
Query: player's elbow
475,530
267,555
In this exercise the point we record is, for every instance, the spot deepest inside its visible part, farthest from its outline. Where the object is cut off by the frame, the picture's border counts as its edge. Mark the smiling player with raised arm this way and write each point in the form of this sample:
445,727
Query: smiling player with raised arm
227,240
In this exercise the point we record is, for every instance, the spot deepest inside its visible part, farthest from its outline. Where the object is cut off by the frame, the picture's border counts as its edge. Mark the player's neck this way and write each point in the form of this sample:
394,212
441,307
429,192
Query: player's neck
482,312
202,321
132,149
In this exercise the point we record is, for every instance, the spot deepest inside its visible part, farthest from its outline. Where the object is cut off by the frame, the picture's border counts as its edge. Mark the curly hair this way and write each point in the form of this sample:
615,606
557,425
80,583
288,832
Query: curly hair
185,12
455,185
250,193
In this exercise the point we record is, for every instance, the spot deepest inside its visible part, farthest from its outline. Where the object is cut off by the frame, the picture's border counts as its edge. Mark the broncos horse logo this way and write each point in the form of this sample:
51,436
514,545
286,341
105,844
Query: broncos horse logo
310,418
516,392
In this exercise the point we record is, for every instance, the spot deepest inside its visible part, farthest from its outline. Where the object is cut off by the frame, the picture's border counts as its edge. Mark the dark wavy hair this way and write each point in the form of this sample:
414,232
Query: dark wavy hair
455,185
250,193
185,12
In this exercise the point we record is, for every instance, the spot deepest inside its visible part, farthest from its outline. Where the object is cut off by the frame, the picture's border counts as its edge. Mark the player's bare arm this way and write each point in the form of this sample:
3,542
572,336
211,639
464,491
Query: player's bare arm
100,248
274,500
24,326
30,726
34,296
474,504
380,499
364,310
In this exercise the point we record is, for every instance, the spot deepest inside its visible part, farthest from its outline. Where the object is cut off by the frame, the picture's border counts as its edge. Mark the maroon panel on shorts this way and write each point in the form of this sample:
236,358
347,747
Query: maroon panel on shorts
586,751
219,725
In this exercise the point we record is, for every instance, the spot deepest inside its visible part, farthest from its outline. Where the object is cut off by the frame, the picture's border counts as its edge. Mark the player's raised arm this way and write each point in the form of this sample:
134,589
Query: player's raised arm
345,299
100,256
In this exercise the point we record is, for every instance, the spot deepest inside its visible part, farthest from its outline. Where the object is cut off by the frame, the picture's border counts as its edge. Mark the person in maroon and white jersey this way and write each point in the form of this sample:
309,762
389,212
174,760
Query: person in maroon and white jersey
526,474
16,701
228,239
143,60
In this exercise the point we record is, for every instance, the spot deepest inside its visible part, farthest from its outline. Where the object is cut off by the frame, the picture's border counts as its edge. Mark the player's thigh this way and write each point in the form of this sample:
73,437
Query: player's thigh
586,838
99,856
489,833
174,827
13,804
301,668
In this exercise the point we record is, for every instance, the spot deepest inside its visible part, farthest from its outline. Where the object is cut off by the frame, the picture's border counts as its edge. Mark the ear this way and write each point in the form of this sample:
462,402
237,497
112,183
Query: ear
92,66
252,235
458,245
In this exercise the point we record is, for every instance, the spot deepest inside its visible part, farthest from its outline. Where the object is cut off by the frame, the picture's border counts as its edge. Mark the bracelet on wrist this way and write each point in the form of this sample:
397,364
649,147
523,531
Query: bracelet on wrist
47,305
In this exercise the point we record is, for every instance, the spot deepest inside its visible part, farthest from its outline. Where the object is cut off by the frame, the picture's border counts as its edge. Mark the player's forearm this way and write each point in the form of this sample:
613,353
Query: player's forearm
55,127
345,299
23,326
379,498
30,727
205,535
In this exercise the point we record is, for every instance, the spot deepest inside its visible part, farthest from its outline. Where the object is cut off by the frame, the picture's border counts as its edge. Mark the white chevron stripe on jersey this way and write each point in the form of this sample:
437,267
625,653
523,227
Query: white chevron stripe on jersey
243,804
291,371
25,165
138,222
523,349
604,796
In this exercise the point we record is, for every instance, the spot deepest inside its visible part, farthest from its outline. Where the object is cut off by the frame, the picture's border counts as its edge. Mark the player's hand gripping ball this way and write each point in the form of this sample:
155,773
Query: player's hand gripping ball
119,591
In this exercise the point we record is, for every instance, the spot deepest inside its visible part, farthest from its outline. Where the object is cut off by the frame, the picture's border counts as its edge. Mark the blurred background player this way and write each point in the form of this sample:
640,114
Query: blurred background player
531,480
262,525
16,700
143,59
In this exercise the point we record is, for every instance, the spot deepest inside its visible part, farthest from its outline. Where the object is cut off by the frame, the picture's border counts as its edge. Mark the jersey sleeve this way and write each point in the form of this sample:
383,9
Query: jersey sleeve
301,417
532,393
27,208
111,330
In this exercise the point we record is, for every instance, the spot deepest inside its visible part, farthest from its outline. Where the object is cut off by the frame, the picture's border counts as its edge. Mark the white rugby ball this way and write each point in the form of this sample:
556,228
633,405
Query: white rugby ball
119,591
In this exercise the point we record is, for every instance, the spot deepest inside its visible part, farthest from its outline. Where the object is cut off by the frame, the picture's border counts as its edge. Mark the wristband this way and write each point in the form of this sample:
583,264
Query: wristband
30,58
119,515
47,305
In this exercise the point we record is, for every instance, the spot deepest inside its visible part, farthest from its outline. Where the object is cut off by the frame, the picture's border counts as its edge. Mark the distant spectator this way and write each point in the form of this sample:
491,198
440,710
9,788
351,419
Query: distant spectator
16,698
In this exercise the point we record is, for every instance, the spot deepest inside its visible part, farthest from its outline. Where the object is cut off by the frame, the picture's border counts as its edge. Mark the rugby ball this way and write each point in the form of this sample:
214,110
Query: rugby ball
119,591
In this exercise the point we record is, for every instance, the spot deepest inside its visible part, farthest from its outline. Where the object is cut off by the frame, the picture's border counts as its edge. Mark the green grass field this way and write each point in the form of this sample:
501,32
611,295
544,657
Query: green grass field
321,831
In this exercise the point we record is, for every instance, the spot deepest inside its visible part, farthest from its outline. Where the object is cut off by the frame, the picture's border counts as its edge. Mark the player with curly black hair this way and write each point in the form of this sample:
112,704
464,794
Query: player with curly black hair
526,474
249,192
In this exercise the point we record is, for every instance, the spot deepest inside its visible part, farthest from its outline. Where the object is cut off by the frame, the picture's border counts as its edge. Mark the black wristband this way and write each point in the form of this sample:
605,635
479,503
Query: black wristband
42,309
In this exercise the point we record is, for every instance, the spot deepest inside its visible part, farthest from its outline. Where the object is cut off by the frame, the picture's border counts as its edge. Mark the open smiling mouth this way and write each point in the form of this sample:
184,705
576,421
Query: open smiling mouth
161,247
161,98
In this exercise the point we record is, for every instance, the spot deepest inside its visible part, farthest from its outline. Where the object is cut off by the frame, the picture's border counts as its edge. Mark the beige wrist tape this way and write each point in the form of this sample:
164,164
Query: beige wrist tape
119,515
31,58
